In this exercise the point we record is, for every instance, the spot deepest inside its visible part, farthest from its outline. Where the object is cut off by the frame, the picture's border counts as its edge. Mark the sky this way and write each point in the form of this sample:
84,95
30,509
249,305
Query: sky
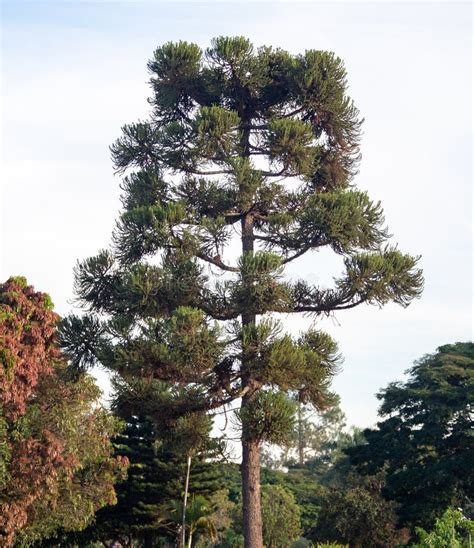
72,73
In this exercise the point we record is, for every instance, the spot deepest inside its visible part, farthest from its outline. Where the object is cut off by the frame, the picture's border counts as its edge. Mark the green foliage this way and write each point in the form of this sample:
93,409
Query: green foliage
56,462
205,108
424,440
281,517
153,477
452,530
74,495
148,500
222,516
331,545
280,514
306,489
20,281
315,438
238,137
358,516
198,518
306,364
380,278
333,468
289,144
270,416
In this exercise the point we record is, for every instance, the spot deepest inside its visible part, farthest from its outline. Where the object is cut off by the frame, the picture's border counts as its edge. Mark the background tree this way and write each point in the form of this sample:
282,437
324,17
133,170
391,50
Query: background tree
358,515
316,433
306,490
313,484
281,517
314,437
259,144
424,441
154,478
157,451
222,517
452,530
56,463
281,514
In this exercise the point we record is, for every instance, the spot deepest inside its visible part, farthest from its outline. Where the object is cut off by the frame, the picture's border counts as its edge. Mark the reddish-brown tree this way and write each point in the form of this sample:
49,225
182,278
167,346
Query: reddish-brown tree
50,431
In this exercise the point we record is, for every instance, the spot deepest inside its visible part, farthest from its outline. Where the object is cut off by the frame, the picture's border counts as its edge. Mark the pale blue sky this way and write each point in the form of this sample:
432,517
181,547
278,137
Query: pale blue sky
74,72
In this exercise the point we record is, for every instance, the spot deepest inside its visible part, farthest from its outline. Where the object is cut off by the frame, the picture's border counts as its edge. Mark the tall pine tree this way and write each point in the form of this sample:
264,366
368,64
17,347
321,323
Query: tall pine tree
241,144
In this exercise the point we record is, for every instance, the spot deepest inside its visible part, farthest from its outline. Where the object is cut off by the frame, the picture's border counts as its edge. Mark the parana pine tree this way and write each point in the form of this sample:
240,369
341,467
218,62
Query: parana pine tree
243,166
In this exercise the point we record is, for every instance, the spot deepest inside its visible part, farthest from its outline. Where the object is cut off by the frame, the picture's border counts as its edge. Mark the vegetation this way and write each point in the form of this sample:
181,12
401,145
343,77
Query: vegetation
258,143
358,515
424,442
279,507
150,500
58,469
313,437
245,164
452,530
56,461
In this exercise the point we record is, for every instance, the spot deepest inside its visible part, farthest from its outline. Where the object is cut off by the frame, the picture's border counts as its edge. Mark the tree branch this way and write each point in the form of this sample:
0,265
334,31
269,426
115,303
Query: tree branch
327,308
217,261
302,251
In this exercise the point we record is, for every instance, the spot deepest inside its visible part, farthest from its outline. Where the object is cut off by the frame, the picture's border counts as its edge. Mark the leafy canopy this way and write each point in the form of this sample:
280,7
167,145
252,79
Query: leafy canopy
257,143
424,439
56,462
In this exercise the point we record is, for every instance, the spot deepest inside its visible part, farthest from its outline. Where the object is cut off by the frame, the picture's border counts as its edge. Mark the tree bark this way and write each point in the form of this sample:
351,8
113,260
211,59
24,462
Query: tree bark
252,515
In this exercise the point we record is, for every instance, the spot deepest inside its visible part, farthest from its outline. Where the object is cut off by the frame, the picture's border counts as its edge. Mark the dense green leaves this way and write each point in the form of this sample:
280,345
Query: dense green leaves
270,416
281,516
384,277
358,515
425,436
452,530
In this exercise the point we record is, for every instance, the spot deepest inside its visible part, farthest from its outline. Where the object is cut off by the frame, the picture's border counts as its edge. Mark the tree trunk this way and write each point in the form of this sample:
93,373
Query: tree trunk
252,515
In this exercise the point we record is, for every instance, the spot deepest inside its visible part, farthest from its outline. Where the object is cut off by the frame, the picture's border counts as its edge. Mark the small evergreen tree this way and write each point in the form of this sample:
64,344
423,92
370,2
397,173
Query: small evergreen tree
152,480
260,144
157,452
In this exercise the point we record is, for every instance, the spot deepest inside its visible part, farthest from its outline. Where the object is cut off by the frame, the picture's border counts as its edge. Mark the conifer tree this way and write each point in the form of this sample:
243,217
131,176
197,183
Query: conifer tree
156,474
254,145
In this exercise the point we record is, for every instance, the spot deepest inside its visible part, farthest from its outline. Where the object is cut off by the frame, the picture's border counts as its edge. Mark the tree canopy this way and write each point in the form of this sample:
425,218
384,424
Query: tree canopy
424,440
56,462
